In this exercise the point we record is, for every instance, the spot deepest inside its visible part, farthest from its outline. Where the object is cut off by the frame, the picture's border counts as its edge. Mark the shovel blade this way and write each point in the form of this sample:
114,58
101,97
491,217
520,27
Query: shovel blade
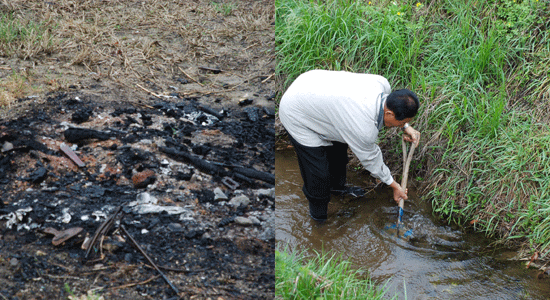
398,230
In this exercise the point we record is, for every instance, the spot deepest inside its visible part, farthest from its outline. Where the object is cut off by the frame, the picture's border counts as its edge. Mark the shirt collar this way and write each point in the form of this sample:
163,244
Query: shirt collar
380,120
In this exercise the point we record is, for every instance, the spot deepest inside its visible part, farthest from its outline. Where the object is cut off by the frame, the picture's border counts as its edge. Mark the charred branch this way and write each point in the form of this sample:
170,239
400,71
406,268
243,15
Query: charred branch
135,244
253,173
73,135
201,164
104,228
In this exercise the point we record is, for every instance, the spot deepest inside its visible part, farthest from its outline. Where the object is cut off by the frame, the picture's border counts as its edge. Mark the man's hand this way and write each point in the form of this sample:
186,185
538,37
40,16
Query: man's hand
411,135
398,192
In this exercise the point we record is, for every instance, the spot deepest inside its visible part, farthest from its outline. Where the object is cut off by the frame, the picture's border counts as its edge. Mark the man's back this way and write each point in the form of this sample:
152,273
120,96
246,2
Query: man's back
322,106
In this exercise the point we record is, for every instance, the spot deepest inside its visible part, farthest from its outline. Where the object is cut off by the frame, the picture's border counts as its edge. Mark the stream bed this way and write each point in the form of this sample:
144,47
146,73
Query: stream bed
436,262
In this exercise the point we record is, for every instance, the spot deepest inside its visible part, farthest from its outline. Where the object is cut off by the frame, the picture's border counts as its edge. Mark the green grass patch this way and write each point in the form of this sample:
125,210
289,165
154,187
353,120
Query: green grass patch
224,8
23,37
321,277
481,70
91,295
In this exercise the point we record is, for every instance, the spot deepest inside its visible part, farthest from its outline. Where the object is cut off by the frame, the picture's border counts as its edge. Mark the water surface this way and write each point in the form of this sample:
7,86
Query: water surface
437,262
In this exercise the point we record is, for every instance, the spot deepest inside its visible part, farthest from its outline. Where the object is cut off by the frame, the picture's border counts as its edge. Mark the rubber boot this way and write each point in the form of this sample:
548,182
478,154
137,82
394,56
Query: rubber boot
318,210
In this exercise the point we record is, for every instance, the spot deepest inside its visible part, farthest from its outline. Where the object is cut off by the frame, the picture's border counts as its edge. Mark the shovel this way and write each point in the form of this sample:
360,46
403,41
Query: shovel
406,164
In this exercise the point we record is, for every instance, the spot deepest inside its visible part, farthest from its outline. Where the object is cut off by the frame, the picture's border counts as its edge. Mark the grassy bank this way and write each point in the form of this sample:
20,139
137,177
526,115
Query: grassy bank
322,277
481,71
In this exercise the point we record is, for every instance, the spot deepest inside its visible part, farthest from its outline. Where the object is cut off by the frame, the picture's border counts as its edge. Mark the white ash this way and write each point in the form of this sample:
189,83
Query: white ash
16,217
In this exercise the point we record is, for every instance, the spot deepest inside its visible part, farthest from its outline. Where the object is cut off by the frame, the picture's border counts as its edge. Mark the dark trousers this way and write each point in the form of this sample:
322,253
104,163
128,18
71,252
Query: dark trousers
323,169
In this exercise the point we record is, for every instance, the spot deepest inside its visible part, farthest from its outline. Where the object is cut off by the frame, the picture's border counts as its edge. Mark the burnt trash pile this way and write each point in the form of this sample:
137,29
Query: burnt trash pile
191,184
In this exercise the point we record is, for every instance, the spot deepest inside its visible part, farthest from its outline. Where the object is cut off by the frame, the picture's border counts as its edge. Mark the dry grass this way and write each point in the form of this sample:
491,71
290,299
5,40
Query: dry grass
6,98
138,42
13,87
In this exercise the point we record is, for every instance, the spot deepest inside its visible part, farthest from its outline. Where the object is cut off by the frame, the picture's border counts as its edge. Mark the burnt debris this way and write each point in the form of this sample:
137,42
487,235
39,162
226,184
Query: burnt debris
201,164
74,135
189,184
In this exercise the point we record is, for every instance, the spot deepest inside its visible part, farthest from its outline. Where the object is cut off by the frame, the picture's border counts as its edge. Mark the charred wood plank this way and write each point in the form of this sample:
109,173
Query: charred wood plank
73,135
215,168
67,150
247,173
253,173
243,178
209,110
200,163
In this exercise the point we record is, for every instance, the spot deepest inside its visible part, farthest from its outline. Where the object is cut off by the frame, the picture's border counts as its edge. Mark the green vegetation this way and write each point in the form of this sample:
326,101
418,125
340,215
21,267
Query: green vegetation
322,278
91,295
481,69
225,8
26,38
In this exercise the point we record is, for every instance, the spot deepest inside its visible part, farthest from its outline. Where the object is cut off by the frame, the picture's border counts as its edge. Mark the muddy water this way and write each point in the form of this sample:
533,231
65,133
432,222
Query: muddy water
436,262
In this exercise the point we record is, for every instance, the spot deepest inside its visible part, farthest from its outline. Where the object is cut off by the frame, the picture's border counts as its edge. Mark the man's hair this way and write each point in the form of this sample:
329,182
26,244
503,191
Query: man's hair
404,104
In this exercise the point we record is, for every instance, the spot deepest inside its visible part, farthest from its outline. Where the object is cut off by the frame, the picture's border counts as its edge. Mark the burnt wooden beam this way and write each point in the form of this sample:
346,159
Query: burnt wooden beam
73,135
253,173
217,168
209,110
247,173
200,163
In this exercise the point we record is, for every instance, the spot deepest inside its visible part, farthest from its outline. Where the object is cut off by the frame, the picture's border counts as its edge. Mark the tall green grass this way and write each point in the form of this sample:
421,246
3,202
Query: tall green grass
346,35
481,69
322,277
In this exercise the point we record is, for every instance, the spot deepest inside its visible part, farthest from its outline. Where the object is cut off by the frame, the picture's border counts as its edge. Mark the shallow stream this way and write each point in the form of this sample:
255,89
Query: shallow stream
436,262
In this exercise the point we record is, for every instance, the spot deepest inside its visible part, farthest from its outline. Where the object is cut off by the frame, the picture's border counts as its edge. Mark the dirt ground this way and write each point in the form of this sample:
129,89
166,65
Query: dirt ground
178,101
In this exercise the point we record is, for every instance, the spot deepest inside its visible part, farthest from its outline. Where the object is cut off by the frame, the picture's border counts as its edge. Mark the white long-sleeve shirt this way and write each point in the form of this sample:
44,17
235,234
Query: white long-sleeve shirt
322,106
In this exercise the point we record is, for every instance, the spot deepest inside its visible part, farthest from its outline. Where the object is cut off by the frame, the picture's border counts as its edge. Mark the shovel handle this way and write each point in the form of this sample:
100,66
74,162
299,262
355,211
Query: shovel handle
406,164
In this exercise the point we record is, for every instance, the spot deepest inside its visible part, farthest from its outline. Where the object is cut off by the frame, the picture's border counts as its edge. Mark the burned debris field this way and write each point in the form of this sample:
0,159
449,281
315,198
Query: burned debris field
191,185
136,150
